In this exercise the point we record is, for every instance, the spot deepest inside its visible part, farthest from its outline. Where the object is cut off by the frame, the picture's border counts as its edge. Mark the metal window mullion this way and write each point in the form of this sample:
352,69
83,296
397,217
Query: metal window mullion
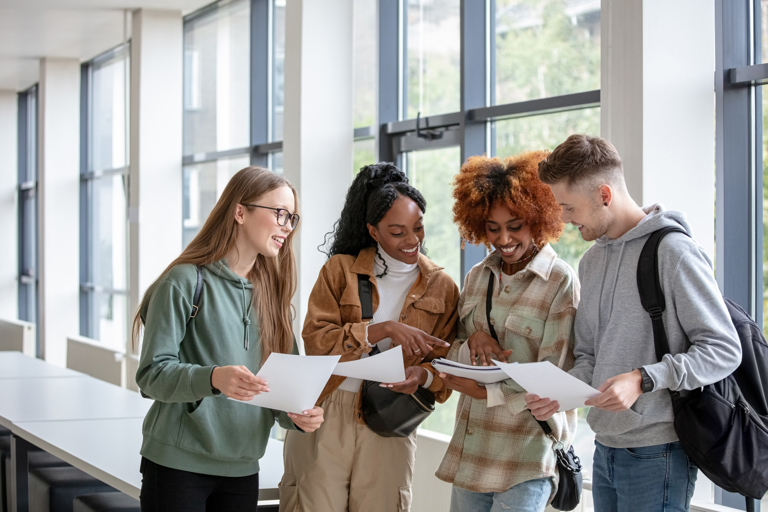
390,77
261,78
735,132
475,93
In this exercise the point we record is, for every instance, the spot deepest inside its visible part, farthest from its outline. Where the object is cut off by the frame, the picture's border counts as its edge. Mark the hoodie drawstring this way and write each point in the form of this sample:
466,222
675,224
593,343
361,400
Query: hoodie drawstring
616,278
246,318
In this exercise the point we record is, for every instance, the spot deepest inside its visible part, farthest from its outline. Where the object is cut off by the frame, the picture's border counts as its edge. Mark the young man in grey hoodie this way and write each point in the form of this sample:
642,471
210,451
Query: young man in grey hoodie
639,464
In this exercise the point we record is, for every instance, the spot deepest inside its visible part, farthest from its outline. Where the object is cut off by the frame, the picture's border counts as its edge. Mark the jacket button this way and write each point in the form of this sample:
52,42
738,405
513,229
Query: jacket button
359,415
506,289
470,431
493,322
528,330
402,317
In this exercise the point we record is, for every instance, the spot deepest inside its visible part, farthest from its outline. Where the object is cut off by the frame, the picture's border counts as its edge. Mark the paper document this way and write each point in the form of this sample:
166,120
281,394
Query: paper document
481,374
295,382
549,381
386,367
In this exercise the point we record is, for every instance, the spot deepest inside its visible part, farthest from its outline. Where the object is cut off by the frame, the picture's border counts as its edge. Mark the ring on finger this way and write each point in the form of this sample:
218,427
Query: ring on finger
417,351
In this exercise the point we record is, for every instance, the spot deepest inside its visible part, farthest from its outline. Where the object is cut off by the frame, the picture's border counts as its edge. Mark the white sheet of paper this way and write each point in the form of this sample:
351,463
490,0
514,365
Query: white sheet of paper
295,382
384,367
481,374
549,381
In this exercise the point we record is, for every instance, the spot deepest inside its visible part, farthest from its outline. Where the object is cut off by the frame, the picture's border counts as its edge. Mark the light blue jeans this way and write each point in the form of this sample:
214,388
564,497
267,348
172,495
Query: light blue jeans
530,496
657,478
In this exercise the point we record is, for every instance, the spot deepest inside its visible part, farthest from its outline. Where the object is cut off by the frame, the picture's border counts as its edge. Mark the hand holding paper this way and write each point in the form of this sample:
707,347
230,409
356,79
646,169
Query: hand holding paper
295,382
547,380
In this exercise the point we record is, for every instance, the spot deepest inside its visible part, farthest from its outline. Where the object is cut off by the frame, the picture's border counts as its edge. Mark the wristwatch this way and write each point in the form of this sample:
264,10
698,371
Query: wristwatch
647,383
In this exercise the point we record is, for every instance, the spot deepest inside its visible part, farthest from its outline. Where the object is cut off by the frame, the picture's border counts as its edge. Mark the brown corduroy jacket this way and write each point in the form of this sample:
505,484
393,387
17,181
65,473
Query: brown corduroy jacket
334,323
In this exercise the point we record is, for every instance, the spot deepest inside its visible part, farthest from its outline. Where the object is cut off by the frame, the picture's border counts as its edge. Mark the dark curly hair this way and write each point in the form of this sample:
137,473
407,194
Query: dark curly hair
483,182
369,198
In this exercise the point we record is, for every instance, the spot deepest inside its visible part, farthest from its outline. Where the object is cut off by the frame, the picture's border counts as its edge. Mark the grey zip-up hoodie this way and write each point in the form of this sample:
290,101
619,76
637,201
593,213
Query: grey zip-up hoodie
614,333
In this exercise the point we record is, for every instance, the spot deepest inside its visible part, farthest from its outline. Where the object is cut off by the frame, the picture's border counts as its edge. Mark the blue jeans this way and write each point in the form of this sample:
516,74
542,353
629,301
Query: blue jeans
657,478
530,496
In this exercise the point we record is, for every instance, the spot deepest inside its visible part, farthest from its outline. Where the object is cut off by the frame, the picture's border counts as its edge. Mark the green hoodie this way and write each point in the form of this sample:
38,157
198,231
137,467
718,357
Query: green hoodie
190,427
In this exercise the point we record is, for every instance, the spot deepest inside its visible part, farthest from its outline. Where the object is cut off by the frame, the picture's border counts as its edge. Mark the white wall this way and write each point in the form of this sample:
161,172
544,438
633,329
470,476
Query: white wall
318,142
58,207
9,178
155,147
657,97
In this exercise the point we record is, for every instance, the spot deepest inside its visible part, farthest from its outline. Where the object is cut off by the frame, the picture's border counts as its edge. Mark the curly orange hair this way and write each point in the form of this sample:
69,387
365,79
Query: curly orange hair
484,181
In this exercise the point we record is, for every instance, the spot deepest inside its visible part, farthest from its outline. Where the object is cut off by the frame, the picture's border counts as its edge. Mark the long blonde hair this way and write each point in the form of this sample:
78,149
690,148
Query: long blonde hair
274,279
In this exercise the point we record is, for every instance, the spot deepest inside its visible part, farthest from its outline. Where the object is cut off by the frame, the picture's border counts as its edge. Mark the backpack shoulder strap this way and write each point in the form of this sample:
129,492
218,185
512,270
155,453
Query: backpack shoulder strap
196,296
649,286
365,292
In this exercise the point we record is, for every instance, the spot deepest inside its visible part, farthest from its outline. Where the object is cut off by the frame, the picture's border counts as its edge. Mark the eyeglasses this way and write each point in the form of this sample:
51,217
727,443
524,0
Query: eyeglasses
283,215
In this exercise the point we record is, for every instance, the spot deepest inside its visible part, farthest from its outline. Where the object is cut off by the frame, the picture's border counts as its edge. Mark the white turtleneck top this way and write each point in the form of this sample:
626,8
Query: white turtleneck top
393,289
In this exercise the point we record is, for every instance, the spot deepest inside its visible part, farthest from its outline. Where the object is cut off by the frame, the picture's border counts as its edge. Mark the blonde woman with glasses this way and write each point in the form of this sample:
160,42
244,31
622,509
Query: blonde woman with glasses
201,451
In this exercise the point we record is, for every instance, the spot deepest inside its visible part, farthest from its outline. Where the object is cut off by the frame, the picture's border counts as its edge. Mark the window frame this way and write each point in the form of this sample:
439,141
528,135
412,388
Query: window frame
88,177
27,186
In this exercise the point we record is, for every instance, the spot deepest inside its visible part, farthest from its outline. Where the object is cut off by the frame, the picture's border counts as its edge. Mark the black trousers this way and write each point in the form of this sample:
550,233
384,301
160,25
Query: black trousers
171,490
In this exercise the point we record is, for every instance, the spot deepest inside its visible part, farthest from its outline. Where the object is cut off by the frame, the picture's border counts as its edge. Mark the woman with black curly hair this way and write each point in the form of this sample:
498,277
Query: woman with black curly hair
499,457
345,466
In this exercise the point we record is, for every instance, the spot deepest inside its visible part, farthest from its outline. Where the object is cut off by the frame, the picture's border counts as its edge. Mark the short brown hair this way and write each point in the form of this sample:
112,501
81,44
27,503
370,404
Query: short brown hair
484,181
580,158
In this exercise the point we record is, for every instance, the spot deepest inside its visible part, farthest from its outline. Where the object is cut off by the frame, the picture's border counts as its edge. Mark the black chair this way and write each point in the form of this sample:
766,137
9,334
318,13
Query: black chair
106,501
35,459
5,453
54,489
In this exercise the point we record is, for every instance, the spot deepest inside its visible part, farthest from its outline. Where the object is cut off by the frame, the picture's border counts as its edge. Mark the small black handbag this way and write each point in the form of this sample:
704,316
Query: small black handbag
386,412
570,482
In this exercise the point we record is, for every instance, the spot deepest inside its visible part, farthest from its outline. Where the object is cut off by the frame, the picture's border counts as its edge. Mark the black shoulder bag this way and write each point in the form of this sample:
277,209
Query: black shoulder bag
569,487
386,412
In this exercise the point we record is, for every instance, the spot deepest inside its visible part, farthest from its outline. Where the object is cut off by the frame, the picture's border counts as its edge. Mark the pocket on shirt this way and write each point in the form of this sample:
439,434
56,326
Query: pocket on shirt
523,336
288,489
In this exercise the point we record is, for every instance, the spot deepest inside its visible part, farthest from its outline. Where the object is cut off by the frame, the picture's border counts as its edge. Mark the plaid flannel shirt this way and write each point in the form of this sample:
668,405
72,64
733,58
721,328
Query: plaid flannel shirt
493,449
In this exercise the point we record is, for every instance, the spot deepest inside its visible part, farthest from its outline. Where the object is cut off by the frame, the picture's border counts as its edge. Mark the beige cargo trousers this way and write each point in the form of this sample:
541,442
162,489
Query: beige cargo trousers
345,467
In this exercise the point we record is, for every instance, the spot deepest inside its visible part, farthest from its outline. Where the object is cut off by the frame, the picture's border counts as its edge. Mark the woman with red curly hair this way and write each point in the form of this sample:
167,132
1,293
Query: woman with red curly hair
499,457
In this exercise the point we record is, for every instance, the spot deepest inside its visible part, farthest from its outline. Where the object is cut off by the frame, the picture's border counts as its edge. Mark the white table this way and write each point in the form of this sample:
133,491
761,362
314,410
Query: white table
15,365
65,398
48,399
108,449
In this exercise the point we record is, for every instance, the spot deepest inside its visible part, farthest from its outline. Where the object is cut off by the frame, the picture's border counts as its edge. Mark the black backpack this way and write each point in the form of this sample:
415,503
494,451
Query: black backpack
723,427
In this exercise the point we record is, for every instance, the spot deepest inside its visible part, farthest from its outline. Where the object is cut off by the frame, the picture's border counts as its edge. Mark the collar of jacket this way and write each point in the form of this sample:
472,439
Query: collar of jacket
541,264
365,259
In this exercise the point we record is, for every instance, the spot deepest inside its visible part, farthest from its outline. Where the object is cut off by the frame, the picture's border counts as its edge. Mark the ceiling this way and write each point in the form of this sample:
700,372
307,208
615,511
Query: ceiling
79,29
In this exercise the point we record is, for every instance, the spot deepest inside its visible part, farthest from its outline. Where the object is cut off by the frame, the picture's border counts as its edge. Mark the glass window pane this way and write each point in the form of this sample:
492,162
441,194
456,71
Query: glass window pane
365,59
365,154
546,48
276,162
765,201
201,187
109,318
216,79
108,114
31,135
107,232
278,69
432,173
433,36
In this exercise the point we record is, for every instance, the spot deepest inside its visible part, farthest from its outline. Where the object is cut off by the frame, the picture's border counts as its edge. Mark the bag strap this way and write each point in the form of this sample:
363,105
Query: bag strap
365,291
649,286
196,296
488,304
